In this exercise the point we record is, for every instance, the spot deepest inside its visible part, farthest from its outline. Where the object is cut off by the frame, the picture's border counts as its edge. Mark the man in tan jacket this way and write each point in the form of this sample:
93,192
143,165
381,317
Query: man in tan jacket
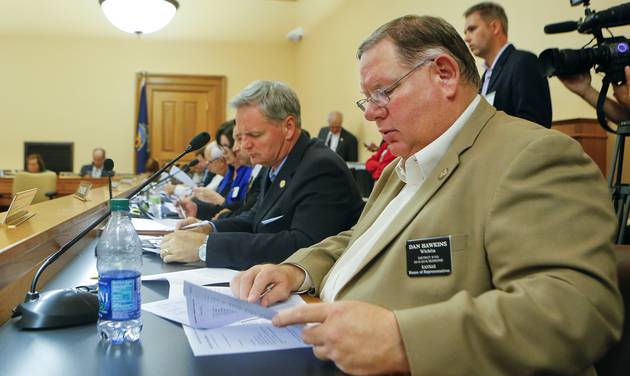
485,248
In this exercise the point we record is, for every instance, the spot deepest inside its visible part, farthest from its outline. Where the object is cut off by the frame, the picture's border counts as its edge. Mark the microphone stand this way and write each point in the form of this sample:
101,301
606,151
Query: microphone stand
59,308
184,169
75,306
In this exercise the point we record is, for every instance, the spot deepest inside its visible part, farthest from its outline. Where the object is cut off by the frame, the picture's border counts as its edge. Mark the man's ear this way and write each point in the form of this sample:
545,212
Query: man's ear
290,127
447,74
495,27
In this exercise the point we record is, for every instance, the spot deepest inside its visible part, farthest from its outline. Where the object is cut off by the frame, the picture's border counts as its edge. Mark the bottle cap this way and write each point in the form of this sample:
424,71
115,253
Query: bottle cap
119,204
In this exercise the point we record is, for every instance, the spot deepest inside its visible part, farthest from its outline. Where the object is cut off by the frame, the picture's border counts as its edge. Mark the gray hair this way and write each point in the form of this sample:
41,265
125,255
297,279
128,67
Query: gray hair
419,37
275,99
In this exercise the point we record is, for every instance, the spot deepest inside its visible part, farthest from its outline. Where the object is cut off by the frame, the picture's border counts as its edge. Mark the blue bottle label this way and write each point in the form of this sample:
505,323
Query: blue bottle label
119,295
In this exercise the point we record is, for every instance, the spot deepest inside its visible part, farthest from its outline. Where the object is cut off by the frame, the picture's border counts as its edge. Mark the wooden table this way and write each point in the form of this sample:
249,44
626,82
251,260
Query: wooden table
66,185
23,249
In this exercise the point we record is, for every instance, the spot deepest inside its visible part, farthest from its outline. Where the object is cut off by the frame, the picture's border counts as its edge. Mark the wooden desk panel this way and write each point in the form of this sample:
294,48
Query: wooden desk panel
590,135
66,185
23,249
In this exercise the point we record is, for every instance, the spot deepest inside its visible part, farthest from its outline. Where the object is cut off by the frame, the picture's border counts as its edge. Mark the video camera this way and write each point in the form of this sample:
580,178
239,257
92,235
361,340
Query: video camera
610,55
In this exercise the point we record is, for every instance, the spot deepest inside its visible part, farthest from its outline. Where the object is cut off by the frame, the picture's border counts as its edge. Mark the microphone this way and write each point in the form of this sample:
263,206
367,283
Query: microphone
108,170
615,16
561,27
190,164
185,169
75,306
196,143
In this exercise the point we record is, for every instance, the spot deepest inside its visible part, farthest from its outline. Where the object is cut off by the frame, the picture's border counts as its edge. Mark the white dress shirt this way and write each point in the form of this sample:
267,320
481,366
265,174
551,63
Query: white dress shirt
488,74
413,172
332,141
96,172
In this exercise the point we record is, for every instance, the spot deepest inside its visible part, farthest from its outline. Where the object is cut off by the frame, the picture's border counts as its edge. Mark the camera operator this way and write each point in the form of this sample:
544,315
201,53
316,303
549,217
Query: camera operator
615,111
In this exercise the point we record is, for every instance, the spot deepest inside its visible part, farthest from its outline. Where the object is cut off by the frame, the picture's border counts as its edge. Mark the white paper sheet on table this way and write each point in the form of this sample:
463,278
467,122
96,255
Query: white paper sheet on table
200,276
152,225
175,309
237,338
247,334
182,177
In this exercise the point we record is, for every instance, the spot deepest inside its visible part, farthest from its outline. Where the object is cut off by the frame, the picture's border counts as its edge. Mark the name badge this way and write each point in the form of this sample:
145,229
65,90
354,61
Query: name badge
235,192
429,257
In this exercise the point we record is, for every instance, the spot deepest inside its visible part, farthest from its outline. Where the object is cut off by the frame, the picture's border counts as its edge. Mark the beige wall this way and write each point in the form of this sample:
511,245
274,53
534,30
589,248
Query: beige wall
327,67
82,90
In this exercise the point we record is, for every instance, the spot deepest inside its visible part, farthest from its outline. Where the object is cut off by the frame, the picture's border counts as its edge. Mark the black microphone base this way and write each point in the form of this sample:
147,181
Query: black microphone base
58,309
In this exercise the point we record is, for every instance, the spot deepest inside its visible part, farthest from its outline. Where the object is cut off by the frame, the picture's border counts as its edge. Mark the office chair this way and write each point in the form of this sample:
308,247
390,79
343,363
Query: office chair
45,182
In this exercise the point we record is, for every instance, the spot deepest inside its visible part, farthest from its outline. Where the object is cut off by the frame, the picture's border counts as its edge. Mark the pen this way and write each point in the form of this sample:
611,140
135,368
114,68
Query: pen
195,225
266,290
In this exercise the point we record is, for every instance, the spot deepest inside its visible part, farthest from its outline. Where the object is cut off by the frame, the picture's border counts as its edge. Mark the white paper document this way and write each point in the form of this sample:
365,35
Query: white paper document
211,309
199,276
237,328
151,225
243,338
182,177
150,243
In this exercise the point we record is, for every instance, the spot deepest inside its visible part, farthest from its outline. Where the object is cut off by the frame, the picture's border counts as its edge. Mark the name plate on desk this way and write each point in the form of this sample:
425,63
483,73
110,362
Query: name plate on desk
18,210
82,190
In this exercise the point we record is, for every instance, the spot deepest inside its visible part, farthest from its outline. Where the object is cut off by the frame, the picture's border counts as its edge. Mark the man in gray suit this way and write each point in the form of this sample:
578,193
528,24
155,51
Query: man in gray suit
485,248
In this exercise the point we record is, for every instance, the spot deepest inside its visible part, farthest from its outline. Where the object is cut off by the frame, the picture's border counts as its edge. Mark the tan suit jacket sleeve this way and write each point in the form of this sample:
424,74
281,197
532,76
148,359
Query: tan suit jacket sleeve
532,288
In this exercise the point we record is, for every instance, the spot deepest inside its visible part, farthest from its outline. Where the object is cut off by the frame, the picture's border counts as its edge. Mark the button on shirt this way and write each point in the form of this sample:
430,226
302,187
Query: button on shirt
413,172
488,73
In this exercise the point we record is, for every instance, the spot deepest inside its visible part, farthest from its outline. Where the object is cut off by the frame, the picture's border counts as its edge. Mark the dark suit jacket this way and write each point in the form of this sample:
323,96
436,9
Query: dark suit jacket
250,200
312,197
521,88
347,147
86,170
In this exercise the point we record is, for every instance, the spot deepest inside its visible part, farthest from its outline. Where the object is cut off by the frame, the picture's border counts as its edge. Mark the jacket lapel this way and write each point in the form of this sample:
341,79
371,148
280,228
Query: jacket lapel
498,67
443,170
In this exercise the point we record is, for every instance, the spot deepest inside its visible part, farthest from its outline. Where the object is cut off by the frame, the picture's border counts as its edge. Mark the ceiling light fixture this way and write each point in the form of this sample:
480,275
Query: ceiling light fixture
139,16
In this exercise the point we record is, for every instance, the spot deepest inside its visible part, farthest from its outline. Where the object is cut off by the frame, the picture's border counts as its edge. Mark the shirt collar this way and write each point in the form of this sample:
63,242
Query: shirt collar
485,66
416,169
274,172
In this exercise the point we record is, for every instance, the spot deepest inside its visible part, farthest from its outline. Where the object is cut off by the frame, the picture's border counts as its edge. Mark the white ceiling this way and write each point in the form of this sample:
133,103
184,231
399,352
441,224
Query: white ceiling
214,20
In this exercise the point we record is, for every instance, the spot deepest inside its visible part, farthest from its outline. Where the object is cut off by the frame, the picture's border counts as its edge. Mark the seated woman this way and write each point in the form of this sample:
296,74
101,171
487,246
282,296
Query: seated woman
233,186
206,202
152,166
379,160
35,163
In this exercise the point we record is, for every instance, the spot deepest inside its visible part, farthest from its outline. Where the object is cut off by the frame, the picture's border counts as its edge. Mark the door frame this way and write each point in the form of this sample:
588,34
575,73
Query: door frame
160,80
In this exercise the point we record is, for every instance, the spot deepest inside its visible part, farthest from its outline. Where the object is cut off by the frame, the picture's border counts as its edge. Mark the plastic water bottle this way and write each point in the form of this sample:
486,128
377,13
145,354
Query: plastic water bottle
155,203
119,259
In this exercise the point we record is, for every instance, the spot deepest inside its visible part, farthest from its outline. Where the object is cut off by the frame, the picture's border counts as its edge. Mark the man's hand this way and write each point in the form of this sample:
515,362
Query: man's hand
169,189
250,284
622,92
181,246
371,147
209,196
206,229
360,338
578,83
189,206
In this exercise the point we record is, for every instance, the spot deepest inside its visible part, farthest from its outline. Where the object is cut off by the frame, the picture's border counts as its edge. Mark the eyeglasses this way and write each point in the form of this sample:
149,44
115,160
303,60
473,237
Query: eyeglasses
380,97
